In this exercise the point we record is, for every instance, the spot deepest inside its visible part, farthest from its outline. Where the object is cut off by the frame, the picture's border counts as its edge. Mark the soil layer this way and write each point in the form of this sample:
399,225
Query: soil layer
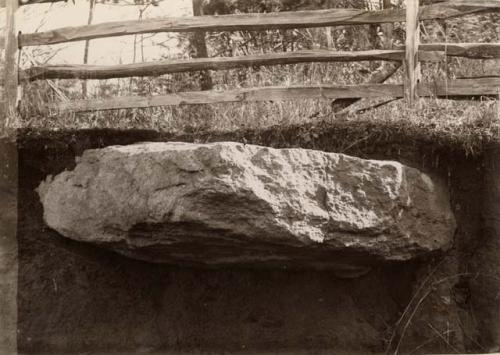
74,297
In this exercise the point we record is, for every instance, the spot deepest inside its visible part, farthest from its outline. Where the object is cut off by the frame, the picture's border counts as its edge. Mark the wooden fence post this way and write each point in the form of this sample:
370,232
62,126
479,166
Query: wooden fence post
10,67
498,105
8,192
412,65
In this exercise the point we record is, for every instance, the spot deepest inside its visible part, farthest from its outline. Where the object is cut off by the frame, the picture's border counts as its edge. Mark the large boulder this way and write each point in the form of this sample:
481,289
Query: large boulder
230,203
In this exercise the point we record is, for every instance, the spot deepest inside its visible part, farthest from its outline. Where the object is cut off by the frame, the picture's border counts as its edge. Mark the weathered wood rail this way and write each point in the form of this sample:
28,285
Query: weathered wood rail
454,88
434,52
3,3
410,55
81,71
280,20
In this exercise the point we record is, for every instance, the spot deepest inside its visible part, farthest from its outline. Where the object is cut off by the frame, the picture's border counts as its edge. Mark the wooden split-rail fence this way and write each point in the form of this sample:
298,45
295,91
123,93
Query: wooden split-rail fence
410,55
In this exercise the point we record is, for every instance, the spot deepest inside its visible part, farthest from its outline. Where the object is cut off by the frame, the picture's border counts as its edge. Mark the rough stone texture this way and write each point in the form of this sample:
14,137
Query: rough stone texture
229,203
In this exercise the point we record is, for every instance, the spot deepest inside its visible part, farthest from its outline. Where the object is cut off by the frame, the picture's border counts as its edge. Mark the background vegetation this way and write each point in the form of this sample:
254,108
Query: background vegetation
465,119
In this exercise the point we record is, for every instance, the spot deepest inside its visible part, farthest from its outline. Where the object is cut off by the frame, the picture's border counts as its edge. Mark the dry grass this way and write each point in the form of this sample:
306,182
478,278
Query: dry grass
192,118
467,122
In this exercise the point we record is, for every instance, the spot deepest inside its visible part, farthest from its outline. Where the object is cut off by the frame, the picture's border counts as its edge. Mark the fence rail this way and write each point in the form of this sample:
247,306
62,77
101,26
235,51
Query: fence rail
465,50
455,88
82,71
279,20
3,3
433,52
411,55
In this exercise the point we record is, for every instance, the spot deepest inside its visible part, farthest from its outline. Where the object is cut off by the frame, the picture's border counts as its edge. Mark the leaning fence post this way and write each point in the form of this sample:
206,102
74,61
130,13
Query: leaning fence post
10,68
412,65
8,190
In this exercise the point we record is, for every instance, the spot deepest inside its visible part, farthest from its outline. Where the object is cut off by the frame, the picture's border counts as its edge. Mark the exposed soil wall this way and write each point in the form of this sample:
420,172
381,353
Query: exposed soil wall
8,247
485,265
74,297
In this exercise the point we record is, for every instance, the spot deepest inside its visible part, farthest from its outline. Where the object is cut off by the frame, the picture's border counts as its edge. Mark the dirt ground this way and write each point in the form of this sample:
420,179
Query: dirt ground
74,297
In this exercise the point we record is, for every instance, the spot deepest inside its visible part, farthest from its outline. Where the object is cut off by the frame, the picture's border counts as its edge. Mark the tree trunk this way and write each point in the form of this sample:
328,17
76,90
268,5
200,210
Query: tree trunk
87,44
199,47
387,28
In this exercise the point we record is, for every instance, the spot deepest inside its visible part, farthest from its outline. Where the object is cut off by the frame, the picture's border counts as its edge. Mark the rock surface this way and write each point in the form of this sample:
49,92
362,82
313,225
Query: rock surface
229,203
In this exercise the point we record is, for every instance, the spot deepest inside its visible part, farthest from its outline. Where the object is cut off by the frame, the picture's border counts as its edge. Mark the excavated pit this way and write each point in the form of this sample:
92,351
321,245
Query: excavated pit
76,297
